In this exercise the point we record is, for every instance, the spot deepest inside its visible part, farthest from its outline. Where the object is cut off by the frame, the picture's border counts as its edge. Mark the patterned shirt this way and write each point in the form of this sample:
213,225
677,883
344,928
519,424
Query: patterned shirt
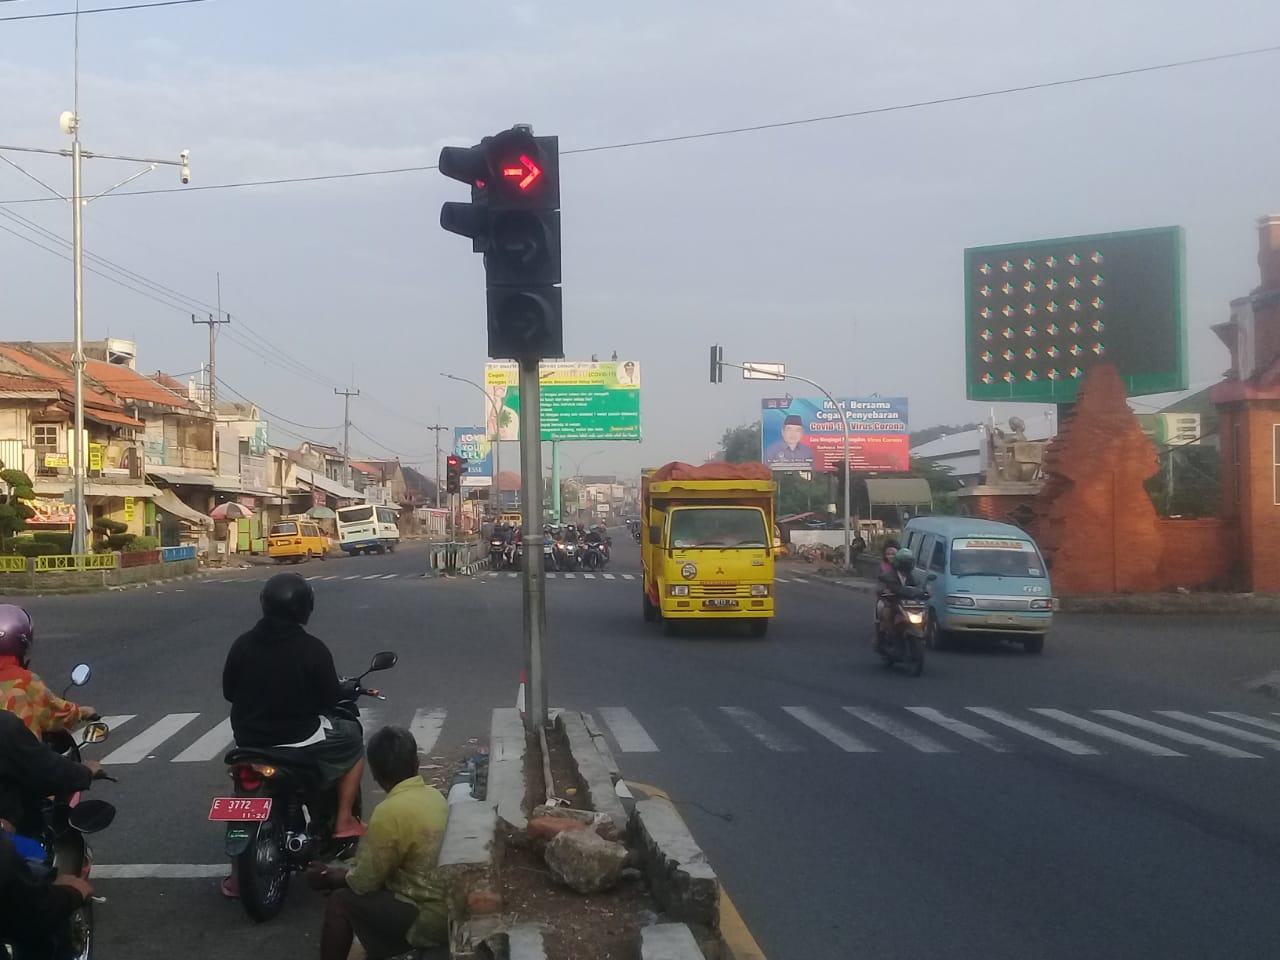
399,853
24,693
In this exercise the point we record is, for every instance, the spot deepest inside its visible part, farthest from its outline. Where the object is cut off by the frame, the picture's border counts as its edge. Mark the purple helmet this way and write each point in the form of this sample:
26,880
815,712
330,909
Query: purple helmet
17,632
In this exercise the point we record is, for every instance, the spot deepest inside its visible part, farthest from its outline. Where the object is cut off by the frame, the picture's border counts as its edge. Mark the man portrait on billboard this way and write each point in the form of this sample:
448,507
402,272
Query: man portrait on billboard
628,374
791,449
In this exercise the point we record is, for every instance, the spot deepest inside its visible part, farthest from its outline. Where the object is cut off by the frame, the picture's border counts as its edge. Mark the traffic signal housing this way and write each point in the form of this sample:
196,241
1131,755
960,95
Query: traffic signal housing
514,220
454,468
717,364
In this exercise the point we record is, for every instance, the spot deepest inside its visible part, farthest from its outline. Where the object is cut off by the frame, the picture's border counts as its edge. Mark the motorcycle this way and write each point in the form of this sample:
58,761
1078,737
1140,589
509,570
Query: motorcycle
566,555
497,548
906,644
280,818
548,553
66,821
595,555
513,554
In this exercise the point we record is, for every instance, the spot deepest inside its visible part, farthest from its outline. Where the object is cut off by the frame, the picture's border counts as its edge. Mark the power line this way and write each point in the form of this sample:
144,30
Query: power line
722,132
129,6
274,416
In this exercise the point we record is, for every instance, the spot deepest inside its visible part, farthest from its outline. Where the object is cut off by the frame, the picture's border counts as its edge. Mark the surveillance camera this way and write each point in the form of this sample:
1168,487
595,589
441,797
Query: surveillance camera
186,174
184,156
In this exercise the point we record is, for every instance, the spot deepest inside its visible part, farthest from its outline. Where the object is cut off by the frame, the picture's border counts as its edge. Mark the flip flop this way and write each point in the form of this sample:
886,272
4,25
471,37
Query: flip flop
230,888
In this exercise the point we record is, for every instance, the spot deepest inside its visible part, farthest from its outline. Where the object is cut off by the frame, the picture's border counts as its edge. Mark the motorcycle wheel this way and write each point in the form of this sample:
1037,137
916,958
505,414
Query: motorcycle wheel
82,933
263,870
915,656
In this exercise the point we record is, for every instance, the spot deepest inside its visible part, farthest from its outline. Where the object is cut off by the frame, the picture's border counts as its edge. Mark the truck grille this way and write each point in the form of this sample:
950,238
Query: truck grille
719,590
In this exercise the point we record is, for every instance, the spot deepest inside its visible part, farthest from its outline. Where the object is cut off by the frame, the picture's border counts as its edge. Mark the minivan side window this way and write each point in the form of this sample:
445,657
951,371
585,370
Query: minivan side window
911,539
938,562
925,547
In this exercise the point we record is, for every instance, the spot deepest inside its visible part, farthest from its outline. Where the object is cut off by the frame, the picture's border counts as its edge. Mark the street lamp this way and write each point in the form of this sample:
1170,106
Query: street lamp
495,490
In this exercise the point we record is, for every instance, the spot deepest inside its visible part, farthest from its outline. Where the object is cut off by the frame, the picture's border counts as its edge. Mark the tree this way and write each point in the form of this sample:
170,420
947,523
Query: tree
741,444
14,514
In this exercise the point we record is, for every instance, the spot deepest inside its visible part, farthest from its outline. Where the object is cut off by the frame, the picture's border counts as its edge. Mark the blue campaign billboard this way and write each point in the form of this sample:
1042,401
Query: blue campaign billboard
804,433
474,445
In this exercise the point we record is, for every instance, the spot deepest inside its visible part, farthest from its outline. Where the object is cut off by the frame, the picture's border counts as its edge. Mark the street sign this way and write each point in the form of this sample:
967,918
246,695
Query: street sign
763,371
580,401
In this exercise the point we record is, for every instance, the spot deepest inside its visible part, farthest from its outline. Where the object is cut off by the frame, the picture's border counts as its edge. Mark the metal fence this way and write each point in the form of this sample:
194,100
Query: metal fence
13,564
452,557
81,561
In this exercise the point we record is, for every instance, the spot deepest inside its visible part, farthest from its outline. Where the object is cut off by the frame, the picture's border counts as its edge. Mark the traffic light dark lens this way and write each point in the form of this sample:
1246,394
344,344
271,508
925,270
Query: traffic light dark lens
520,240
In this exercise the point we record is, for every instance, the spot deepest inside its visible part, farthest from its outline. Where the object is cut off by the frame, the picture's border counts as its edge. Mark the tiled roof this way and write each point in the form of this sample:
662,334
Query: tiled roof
34,363
20,383
131,385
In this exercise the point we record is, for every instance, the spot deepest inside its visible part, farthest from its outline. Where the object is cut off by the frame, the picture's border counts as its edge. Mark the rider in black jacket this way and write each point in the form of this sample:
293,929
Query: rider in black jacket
30,771
33,911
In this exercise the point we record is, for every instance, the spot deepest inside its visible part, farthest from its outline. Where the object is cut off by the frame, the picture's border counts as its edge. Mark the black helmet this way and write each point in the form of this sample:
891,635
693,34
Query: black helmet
287,596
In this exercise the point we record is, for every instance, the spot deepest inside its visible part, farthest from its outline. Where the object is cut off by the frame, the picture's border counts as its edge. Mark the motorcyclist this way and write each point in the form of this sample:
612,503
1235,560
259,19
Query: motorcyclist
22,692
34,912
283,689
898,582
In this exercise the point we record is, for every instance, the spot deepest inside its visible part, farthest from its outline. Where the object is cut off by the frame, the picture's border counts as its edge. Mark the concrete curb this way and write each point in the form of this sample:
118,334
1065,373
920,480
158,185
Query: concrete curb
506,767
468,854
592,767
669,941
524,942
679,875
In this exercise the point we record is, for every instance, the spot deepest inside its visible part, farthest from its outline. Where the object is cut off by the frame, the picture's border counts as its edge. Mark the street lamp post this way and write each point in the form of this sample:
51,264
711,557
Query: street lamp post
70,123
495,489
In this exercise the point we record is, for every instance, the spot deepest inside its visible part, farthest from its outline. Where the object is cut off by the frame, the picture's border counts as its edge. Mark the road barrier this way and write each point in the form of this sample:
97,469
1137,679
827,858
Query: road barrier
173,554
70,573
78,561
453,558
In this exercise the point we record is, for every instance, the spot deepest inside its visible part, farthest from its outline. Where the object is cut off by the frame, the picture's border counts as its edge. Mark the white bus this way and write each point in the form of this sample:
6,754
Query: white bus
367,528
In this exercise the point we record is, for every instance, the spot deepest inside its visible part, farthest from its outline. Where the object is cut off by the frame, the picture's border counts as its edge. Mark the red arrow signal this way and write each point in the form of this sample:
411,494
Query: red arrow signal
525,175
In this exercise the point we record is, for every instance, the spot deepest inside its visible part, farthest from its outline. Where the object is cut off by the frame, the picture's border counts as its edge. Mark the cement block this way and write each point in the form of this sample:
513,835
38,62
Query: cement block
669,941
506,767
592,768
524,942
679,875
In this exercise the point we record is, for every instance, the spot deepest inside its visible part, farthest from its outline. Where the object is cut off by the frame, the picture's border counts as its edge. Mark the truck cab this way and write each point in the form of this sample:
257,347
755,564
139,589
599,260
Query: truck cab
707,544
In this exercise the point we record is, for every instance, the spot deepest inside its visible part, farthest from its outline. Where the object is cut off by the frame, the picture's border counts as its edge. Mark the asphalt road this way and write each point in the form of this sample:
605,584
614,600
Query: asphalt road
1114,797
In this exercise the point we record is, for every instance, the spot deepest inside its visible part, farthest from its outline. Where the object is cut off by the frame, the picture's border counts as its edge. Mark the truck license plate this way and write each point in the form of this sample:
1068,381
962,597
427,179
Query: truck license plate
240,808
720,602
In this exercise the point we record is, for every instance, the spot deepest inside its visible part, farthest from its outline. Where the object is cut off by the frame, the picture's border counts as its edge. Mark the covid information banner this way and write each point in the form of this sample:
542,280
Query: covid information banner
580,401
807,434
474,445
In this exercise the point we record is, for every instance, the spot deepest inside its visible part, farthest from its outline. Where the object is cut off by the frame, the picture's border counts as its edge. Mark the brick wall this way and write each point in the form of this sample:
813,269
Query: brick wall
1199,554
1260,516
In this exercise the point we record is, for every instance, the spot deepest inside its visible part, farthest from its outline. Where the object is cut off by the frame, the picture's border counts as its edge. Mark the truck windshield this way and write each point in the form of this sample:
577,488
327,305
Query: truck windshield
723,528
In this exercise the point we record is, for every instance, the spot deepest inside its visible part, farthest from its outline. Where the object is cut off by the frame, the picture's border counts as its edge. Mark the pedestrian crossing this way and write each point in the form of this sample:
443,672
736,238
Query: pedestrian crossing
562,575
315,577
852,730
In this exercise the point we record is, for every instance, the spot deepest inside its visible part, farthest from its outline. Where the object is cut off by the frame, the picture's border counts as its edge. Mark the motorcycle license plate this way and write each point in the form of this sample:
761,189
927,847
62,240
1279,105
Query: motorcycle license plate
240,808
720,603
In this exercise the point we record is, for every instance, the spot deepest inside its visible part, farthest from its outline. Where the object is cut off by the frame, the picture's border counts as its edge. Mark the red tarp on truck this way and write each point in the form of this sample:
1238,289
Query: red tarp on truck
711,471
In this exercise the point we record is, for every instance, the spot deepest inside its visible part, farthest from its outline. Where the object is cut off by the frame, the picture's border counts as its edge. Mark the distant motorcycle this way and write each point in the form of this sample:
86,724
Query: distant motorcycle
595,554
497,547
566,555
905,643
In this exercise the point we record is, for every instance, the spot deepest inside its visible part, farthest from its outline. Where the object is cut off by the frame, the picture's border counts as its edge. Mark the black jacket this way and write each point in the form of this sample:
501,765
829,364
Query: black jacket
31,911
891,583
29,772
279,679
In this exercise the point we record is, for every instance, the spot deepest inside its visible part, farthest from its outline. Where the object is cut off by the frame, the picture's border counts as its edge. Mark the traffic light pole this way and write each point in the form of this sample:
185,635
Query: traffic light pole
535,609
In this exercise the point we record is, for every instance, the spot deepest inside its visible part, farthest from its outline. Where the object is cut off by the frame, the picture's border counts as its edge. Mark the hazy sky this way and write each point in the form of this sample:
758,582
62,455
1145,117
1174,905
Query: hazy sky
833,247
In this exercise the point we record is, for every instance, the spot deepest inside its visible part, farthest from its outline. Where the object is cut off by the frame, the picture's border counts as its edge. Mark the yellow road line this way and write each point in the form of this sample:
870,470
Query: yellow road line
733,929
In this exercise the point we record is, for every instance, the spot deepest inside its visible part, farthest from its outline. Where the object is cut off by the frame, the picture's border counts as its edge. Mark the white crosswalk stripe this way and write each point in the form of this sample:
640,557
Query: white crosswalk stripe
694,730
894,728
425,727
841,738
1037,731
1246,718
213,744
960,728
1180,736
588,576
1108,733
141,746
628,576
630,736
761,729
117,721
1214,726
609,576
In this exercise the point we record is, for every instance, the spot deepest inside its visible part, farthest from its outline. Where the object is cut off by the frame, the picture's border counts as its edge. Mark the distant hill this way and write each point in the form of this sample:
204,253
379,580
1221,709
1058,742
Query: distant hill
929,434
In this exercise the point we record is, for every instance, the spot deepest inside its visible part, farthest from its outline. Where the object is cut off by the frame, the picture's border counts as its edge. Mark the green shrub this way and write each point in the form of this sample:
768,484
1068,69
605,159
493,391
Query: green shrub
120,541
141,544
34,548
61,540
107,527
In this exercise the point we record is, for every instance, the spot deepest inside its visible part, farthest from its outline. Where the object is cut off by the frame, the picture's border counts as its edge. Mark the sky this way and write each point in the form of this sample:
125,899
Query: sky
833,247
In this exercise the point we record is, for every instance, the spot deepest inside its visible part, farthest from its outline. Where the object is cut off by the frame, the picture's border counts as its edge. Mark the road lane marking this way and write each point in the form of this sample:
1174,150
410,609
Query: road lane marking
820,725
356,577
369,720
762,730
899,730
609,576
799,580
374,576
571,576
512,576
961,729
1248,736
627,731
1107,733
426,726
628,576
216,741
140,747
694,730
118,721
158,871
1245,718
1190,739
588,576
390,576
781,580
1038,732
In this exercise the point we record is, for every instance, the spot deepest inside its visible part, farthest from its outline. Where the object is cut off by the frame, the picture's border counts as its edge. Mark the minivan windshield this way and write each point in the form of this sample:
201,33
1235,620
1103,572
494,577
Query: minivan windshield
725,528
973,557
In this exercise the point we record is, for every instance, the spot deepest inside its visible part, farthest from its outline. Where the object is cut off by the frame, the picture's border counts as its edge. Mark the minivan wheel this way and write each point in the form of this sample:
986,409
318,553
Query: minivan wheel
935,638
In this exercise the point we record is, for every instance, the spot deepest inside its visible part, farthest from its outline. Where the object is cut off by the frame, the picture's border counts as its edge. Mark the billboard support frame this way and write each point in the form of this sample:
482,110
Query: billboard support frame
495,502
844,420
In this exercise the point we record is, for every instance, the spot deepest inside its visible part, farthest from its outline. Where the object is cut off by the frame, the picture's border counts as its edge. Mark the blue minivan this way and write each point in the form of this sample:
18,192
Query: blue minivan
984,577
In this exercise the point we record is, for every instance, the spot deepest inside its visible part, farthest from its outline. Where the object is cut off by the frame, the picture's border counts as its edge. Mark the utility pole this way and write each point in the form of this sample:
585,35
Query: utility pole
437,428
346,432
212,323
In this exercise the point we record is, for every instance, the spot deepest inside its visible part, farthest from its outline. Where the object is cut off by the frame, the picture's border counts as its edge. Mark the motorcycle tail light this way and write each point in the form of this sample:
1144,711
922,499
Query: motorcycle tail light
247,778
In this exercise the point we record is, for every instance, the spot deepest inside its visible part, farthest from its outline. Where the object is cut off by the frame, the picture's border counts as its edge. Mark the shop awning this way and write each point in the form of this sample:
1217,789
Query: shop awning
168,501
228,485
321,482
136,490
908,492
178,478
114,419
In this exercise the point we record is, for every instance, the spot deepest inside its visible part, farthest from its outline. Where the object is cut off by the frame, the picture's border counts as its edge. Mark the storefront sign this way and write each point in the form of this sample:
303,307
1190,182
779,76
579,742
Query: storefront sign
57,460
128,509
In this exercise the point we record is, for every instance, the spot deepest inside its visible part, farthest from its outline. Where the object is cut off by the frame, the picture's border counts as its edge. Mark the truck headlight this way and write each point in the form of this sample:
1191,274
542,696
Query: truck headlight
689,571
760,589
958,600
678,590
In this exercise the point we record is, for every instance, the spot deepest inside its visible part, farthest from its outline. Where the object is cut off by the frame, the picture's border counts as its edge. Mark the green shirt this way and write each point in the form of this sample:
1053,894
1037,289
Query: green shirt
399,853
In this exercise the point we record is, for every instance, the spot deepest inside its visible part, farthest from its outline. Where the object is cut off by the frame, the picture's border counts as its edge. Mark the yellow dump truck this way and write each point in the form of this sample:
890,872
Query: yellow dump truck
707,543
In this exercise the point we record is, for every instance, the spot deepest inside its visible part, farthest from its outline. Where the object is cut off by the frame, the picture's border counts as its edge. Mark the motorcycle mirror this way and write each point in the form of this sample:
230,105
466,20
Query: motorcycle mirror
91,816
383,661
80,674
96,732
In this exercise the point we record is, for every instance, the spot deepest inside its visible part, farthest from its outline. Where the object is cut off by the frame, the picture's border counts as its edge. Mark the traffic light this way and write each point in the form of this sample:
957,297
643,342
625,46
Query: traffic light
717,364
454,468
514,220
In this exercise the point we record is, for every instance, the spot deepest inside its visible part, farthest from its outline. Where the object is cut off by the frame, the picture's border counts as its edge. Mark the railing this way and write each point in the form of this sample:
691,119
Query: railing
82,561
13,564
170,554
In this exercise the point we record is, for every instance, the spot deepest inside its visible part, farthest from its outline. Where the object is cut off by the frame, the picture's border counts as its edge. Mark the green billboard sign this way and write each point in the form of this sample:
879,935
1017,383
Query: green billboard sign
580,401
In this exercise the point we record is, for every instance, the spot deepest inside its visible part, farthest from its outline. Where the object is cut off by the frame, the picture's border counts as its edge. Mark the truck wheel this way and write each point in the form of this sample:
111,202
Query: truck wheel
1034,643
760,627
650,611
